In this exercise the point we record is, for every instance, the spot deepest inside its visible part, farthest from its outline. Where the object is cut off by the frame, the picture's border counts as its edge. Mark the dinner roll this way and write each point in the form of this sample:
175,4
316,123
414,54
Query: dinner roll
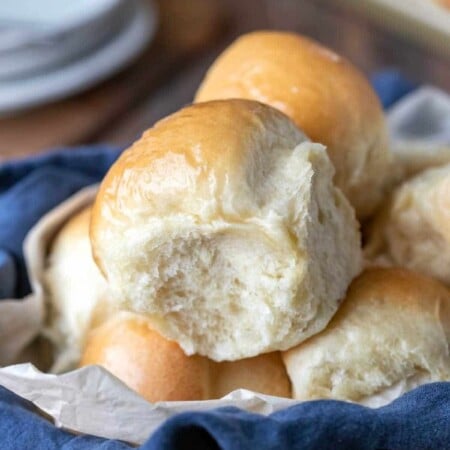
265,373
158,369
149,364
413,229
222,226
325,95
390,335
76,290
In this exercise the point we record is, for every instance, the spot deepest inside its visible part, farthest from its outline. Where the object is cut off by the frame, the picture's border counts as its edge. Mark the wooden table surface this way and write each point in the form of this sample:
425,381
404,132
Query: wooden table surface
191,34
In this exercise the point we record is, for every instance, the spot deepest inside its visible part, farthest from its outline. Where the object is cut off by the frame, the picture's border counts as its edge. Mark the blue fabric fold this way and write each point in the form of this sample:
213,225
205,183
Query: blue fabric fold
391,86
30,188
21,428
418,420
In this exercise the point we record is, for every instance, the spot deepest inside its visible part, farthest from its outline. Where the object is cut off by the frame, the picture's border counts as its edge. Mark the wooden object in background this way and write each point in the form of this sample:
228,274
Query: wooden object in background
191,36
424,21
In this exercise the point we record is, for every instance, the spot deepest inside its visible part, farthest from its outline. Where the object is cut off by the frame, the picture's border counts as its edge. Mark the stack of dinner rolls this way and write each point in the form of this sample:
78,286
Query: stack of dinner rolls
223,250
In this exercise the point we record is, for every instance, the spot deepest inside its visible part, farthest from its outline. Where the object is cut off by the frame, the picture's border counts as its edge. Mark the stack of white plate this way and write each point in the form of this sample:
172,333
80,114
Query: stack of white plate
50,49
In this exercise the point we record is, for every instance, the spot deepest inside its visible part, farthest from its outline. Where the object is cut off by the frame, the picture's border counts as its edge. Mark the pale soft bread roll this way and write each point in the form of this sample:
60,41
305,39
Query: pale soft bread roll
158,369
391,334
222,226
413,228
76,290
325,95
149,364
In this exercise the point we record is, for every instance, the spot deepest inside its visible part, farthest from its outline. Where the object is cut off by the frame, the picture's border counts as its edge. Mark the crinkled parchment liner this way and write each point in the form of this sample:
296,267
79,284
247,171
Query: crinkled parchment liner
90,400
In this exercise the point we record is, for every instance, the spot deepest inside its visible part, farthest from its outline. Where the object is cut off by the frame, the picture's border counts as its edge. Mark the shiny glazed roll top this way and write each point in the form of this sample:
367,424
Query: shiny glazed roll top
222,226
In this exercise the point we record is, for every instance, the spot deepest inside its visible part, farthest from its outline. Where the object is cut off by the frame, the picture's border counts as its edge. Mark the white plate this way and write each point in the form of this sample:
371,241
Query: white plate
29,45
18,95
52,13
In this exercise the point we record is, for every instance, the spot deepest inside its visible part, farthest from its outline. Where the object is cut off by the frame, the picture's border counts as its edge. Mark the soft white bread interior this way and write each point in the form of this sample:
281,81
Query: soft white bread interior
222,226
80,326
391,334
159,370
325,95
75,289
413,228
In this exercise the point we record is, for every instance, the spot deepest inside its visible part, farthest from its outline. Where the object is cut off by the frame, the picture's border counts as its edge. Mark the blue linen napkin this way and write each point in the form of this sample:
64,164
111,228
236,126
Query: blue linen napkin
29,188
391,86
418,420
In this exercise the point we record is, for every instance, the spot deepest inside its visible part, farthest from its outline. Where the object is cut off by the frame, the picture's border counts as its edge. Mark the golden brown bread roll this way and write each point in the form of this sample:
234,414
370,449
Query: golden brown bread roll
145,361
390,335
265,373
413,229
326,96
222,226
159,370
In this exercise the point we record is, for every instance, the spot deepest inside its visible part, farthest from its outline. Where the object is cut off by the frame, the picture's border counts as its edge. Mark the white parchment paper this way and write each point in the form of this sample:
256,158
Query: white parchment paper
90,400
420,130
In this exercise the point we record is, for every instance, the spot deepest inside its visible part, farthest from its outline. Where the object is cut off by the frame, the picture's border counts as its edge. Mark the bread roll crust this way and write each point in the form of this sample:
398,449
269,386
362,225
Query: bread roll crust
223,227
325,95
263,373
149,364
158,369
393,327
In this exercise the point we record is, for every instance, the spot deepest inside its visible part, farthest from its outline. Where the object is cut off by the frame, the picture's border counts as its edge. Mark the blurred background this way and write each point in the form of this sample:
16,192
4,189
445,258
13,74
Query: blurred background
105,70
